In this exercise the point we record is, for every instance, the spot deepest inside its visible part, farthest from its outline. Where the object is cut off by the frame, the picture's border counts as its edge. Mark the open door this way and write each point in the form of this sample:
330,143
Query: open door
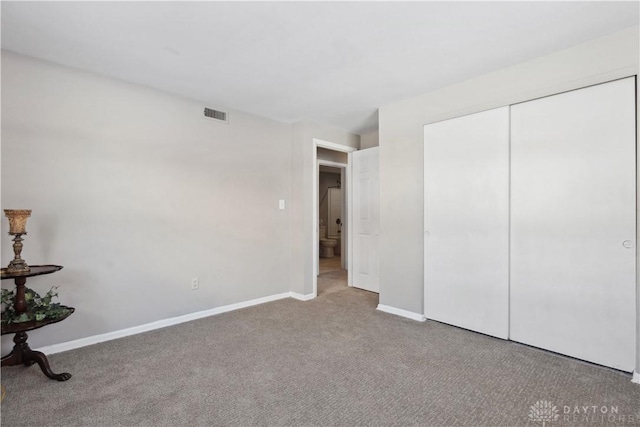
366,223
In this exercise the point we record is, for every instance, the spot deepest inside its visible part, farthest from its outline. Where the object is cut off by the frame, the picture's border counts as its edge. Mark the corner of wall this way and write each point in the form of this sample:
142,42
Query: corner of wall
370,139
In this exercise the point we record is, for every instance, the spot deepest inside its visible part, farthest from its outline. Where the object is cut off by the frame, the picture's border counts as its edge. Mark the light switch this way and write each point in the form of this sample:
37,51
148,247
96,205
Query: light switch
281,204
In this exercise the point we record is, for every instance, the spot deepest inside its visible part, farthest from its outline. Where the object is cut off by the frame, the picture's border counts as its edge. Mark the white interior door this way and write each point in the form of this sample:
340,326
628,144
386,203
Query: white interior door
573,223
366,223
466,214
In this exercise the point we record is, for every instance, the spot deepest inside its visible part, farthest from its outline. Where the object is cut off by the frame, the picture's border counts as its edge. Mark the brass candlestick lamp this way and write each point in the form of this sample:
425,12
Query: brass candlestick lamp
17,227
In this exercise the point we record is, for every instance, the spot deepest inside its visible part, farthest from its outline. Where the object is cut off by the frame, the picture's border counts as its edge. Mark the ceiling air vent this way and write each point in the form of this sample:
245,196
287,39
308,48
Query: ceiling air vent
216,115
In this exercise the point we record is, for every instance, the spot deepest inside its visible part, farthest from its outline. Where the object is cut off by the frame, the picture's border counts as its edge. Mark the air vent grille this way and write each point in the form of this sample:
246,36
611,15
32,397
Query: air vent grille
216,114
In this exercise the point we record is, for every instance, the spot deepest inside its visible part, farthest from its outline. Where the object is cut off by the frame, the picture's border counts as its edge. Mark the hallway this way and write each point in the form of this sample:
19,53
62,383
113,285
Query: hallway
332,277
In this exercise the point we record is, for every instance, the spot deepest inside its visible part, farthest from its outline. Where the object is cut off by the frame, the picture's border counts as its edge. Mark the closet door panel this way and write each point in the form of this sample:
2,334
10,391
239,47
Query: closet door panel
573,223
466,215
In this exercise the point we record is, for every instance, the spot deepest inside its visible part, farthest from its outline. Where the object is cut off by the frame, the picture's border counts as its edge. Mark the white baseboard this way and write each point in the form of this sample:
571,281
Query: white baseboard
636,377
95,339
302,297
400,312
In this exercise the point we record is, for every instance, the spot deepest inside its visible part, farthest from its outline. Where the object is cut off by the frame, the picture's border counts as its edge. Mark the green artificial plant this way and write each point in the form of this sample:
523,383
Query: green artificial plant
38,308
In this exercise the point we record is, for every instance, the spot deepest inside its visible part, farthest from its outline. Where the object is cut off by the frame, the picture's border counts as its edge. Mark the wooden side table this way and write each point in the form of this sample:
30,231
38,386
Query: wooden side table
21,353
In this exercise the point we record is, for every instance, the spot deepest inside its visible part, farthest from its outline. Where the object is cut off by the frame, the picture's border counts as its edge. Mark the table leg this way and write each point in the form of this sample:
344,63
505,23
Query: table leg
16,357
12,359
23,355
43,362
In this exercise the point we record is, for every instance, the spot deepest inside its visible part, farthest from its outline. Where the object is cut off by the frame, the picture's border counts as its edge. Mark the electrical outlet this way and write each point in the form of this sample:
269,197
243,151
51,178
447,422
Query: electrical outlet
195,284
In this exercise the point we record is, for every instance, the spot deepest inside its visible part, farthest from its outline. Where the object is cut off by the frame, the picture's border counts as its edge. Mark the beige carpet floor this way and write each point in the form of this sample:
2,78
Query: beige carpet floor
332,361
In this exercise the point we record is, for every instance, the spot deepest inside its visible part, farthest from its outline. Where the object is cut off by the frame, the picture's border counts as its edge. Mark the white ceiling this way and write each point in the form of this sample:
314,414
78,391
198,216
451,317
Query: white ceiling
331,62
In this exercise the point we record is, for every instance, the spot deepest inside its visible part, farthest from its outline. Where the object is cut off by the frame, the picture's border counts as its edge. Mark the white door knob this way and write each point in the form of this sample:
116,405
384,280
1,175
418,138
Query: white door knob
628,244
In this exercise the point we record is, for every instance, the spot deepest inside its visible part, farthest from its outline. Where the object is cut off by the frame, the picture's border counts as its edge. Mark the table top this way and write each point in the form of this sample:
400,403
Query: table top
34,270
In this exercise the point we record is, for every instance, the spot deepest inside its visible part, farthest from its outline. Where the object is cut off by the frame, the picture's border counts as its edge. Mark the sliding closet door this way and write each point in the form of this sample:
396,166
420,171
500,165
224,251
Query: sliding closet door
466,216
573,223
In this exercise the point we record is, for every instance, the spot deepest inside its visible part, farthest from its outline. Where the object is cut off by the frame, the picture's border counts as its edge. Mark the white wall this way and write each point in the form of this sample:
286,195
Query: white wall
135,193
369,139
401,144
302,225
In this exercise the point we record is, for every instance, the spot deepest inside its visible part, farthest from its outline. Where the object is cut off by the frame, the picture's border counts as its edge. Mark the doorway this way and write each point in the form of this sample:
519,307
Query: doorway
332,158
332,272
